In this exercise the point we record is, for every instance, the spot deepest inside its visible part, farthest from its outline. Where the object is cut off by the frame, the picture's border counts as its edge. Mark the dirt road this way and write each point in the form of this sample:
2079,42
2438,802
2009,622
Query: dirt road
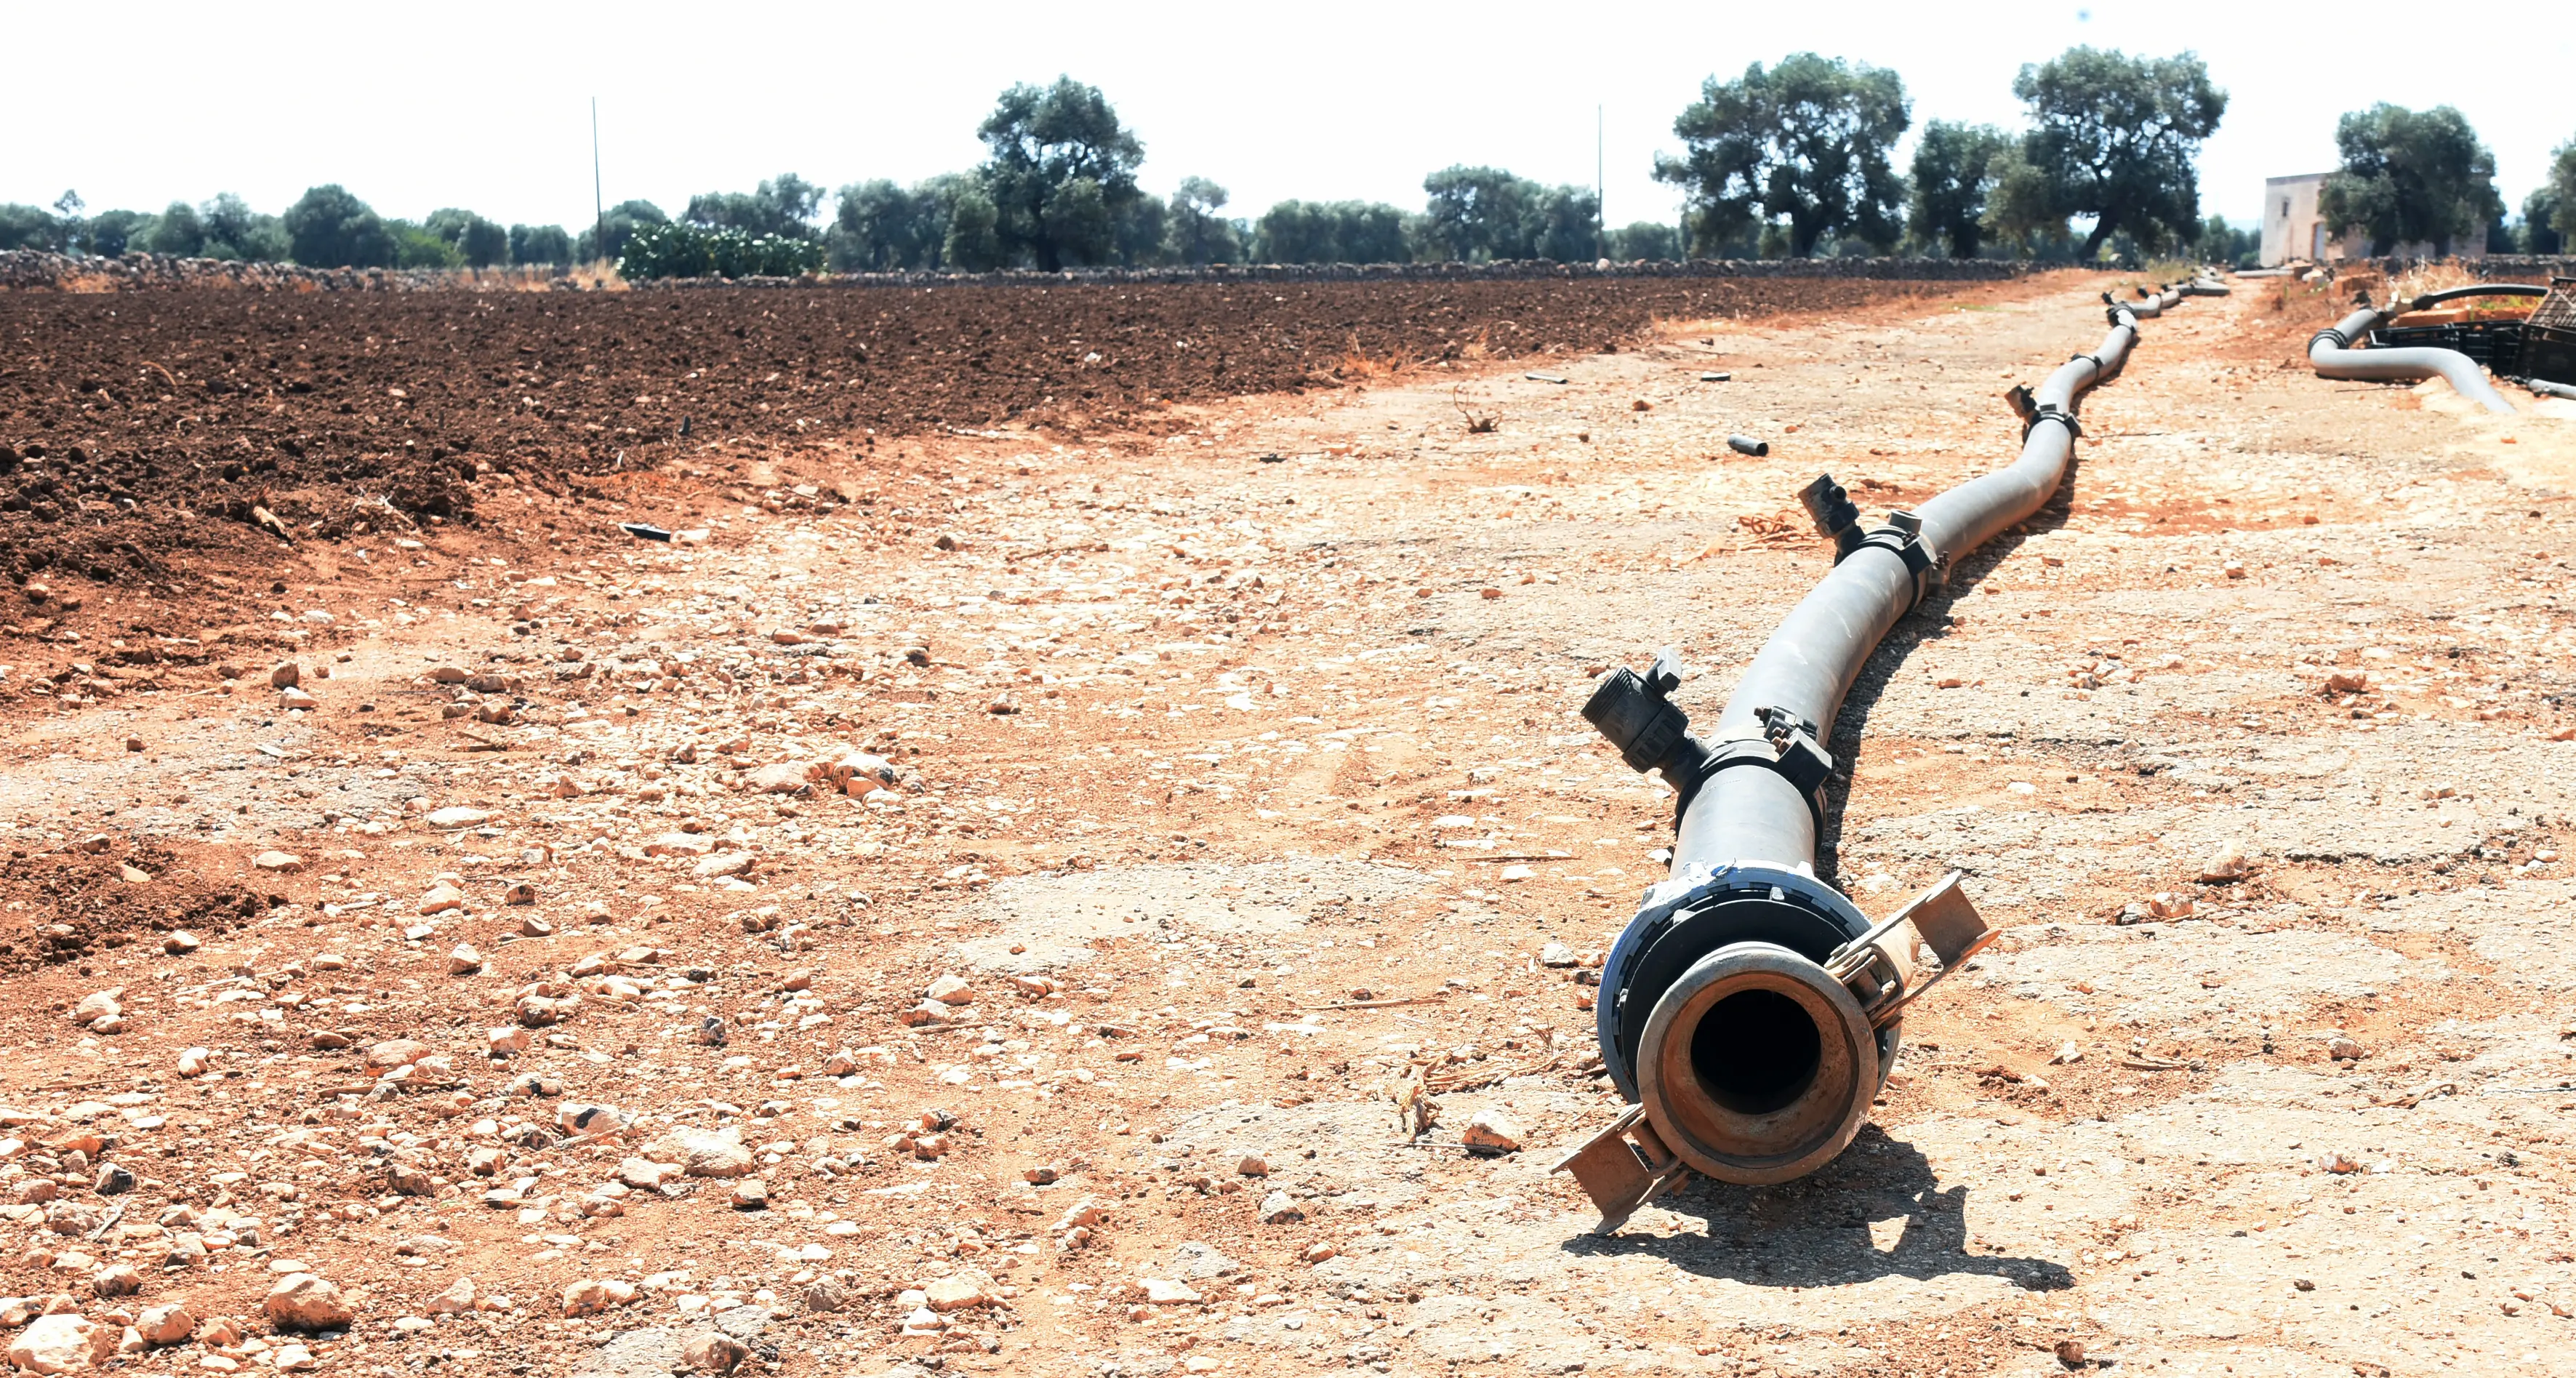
1234,777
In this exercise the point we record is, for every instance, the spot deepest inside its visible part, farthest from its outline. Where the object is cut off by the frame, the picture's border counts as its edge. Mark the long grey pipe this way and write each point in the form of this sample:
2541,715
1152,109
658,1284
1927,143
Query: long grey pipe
1809,664
2330,350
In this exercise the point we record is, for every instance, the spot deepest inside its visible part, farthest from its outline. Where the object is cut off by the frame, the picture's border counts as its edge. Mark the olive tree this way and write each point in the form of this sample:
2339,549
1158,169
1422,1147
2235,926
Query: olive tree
1059,174
1808,142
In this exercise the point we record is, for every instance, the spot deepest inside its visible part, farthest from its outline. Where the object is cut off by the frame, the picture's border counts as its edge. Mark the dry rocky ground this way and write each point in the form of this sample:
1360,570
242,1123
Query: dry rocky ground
967,911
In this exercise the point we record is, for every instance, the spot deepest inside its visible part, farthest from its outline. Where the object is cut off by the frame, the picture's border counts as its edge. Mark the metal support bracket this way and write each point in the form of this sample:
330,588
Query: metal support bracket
1622,1168
1801,755
1878,966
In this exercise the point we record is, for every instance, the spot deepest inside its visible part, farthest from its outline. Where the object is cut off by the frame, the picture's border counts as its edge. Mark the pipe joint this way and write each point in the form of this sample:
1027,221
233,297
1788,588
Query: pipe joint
1903,538
1797,749
2049,411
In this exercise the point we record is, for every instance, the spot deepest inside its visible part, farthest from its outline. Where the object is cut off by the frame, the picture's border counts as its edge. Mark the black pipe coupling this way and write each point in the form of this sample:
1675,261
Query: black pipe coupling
2334,333
1903,538
1834,513
1797,748
2103,369
1790,747
2049,411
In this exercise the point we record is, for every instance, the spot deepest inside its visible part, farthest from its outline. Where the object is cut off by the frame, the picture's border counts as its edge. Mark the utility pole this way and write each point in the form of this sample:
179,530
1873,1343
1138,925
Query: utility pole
598,203
1600,191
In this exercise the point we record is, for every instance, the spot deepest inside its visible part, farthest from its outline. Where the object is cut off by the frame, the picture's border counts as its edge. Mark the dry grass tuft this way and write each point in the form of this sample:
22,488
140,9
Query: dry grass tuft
1357,365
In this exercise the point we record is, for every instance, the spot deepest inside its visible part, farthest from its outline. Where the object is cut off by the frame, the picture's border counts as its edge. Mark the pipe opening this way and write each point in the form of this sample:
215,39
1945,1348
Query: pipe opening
1756,1051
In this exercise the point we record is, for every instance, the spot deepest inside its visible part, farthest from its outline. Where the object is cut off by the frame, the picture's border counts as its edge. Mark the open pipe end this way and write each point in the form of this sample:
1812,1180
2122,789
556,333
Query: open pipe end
1757,1066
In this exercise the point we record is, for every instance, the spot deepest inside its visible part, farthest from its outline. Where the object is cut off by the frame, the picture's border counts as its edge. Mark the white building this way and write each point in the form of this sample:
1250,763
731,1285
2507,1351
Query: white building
2292,228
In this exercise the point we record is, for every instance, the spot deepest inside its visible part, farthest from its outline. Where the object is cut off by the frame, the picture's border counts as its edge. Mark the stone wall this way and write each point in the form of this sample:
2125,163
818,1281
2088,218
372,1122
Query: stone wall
1892,269
36,270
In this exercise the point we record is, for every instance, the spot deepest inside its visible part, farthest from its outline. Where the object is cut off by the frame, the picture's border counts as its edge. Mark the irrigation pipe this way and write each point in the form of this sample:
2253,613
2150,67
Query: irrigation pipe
1749,1009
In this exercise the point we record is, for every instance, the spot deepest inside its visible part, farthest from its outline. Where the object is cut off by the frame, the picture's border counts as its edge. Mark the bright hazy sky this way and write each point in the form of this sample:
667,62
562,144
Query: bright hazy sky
488,107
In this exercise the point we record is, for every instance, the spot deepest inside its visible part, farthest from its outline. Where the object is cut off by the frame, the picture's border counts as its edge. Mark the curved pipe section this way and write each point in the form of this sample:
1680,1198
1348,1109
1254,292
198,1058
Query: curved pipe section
2430,300
2332,353
1749,1008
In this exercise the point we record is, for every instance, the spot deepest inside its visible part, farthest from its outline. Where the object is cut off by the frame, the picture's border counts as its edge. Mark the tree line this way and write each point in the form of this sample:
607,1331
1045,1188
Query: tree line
327,227
1794,159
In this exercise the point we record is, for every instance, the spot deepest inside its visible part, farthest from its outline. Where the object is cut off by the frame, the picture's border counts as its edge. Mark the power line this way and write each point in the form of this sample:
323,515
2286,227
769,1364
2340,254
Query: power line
598,202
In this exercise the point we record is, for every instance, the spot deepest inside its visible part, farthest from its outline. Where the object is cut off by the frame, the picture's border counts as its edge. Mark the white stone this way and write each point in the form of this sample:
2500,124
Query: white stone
2229,862
165,1325
703,1152
724,864
595,1295
1490,1131
63,1343
714,1352
955,1293
302,1301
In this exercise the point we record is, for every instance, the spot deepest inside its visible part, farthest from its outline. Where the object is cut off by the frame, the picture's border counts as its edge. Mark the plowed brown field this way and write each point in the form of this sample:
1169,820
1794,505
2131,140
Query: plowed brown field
529,979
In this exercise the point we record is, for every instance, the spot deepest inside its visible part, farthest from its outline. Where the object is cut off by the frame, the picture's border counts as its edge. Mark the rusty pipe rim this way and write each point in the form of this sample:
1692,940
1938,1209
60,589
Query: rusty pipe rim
1757,1066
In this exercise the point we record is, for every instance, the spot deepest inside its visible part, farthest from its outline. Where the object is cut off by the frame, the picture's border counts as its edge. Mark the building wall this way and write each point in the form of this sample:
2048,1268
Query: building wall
2291,226
2292,229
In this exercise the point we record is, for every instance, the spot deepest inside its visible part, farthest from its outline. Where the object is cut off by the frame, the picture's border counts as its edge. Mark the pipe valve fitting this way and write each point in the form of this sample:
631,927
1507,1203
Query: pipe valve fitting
1837,518
1636,713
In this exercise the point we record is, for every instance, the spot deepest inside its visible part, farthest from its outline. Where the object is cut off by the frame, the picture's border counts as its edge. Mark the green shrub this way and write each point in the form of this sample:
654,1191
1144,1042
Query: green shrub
695,251
329,228
540,244
418,246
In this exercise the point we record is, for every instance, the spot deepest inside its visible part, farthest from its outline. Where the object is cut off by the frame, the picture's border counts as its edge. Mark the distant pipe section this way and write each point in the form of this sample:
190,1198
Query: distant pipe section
1749,1009
2332,352
2430,300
